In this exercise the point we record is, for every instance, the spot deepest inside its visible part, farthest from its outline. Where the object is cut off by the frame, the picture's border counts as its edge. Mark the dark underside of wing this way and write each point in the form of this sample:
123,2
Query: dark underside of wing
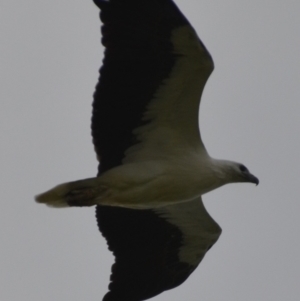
138,57
146,249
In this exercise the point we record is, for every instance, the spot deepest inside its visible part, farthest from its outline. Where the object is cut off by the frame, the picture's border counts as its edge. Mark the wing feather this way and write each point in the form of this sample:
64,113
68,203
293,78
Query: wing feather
155,250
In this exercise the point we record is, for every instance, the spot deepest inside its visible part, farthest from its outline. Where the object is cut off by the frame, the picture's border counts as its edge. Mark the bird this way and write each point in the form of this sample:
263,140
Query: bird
153,167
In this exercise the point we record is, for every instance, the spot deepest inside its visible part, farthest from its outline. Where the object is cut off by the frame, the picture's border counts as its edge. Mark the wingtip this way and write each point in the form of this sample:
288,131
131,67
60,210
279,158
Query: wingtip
100,3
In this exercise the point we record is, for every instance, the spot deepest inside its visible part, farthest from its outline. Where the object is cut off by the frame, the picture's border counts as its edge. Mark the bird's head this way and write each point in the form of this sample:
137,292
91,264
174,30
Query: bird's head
233,172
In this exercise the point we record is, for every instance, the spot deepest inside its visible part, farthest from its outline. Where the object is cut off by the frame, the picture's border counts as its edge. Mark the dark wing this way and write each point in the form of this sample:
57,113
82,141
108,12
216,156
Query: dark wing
137,59
145,247
154,71
155,250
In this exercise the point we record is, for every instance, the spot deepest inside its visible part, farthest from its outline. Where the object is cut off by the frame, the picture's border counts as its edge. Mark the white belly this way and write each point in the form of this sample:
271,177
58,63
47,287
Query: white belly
153,184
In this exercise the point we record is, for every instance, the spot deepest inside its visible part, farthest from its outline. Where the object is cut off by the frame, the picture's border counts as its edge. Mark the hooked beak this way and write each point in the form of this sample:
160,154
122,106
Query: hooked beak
252,179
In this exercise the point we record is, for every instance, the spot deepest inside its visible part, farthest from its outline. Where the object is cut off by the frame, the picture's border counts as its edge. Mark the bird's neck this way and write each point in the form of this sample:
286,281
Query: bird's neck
221,170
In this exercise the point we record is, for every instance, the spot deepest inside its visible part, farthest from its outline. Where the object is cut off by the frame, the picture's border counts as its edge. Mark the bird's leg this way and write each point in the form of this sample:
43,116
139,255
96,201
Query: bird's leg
79,193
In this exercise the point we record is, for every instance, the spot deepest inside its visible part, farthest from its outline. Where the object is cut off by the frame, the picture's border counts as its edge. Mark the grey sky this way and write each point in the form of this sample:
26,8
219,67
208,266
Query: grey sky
50,54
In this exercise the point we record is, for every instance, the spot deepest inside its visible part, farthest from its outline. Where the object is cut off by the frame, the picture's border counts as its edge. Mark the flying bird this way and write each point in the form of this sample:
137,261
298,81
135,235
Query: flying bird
153,165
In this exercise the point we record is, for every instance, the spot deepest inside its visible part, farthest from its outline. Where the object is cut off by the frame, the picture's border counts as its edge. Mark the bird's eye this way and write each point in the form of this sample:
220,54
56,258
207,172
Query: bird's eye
243,168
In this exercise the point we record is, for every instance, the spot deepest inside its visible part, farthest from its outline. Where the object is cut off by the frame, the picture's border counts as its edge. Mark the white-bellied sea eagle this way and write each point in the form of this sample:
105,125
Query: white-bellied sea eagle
153,166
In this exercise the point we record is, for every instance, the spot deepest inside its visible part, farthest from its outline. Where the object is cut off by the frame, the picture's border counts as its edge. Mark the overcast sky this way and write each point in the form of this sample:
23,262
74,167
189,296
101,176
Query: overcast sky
50,54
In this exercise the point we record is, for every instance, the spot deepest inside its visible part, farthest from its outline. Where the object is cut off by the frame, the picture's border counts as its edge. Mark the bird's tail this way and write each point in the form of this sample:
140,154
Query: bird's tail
78,193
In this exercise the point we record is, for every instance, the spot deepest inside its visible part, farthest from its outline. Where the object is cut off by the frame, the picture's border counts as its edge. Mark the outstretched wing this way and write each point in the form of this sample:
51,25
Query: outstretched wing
155,250
154,70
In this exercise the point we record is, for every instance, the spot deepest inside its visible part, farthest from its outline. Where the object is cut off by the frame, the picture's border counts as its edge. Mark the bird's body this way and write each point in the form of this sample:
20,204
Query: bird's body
157,183
153,167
